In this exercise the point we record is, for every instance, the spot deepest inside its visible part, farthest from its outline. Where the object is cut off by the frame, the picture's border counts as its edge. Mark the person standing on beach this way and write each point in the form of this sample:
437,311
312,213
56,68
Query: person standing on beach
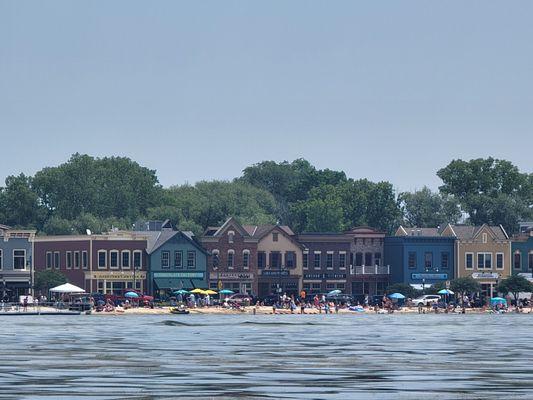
25,304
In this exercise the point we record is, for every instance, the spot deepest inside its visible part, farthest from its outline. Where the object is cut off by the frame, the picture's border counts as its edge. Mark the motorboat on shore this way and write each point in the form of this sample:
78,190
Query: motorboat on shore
179,310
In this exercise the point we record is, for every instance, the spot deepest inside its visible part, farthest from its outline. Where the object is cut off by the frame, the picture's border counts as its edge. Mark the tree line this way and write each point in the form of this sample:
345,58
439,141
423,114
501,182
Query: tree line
100,193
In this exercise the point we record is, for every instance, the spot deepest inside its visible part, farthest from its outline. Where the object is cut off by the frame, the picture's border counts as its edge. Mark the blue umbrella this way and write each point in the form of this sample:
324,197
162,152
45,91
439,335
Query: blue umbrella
495,300
334,292
226,291
133,295
445,291
396,296
181,291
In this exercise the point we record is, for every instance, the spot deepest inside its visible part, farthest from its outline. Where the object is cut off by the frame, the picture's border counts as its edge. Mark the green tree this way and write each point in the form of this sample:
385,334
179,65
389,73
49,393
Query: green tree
515,284
463,286
45,280
104,187
423,208
321,212
485,187
19,205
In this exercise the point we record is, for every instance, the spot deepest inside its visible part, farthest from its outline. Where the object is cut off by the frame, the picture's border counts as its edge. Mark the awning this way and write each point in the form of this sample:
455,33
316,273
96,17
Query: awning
177,283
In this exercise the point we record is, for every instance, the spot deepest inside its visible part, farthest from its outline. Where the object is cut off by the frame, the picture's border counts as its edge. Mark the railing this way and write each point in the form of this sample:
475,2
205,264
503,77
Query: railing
372,270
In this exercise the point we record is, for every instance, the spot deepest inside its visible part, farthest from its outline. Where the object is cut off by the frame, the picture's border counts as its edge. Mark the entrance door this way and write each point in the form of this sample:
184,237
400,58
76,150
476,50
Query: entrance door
263,289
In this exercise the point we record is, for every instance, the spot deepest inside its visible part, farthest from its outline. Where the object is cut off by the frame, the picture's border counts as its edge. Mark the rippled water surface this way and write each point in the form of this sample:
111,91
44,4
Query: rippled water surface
267,356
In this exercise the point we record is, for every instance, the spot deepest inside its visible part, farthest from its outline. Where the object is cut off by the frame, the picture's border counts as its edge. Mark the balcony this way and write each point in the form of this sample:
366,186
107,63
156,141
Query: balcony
372,270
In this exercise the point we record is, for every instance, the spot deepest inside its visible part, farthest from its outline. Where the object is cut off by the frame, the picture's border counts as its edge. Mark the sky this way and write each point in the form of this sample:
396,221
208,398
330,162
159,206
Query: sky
199,90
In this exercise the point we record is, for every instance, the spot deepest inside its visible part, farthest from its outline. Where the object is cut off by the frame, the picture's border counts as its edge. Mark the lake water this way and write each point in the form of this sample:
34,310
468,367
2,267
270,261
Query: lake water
267,356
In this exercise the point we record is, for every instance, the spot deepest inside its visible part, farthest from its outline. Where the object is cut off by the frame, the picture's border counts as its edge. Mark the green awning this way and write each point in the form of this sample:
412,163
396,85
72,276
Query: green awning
177,283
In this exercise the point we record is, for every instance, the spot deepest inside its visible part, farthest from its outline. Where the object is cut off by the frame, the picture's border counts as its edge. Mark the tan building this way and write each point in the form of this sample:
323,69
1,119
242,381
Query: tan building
279,259
482,252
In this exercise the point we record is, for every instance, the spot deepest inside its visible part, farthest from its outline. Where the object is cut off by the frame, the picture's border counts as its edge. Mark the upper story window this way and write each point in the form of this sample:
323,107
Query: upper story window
68,256
102,259
191,259
261,259
444,260
19,259
231,236
231,258
342,260
428,260
275,259
113,259
165,259
358,259
275,236
484,260
368,259
2,259
484,237
329,260
178,259
57,260
411,260
517,260
290,259
49,259
306,260
137,259
377,259
469,260
317,261
84,259
499,260
77,259
126,262
530,260
246,259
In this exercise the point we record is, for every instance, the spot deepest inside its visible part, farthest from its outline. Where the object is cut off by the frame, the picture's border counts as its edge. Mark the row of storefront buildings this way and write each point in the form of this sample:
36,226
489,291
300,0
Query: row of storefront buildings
264,259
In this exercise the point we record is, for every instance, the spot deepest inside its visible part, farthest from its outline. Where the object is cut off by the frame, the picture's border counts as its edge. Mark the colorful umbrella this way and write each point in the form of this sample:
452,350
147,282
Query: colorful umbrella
181,291
197,291
210,292
396,296
133,295
226,291
445,291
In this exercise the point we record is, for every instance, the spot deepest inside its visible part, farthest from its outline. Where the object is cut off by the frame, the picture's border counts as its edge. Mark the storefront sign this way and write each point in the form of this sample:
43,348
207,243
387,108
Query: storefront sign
243,276
275,273
110,275
324,276
485,275
429,276
186,275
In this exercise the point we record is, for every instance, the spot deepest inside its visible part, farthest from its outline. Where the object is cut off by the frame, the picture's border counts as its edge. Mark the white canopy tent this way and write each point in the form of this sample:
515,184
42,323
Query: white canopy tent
67,288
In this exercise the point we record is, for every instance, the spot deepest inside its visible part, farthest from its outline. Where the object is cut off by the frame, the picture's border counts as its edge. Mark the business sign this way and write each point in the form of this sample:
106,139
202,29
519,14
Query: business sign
110,275
246,276
485,275
430,276
275,273
324,276
186,275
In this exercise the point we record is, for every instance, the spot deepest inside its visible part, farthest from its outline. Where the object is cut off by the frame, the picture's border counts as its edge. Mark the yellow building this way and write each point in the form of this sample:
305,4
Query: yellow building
482,252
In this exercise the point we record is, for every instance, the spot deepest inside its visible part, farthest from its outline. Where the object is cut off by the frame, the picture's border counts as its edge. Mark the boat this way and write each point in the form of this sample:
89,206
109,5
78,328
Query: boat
177,310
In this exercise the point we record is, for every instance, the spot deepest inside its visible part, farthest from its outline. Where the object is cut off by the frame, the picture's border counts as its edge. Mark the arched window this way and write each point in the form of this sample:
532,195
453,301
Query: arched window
231,236
517,262
246,258
231,258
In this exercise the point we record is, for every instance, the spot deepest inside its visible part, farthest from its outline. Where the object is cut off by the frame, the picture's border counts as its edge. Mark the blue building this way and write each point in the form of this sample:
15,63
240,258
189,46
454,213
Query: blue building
420,257
175,260
16,262
522,250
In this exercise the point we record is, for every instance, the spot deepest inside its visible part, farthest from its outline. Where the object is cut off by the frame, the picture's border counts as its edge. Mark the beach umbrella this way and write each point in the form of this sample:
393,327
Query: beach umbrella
181,291
334,292
67,288
495,300
131,295
226,291
210,292
396,296
197,291
445,291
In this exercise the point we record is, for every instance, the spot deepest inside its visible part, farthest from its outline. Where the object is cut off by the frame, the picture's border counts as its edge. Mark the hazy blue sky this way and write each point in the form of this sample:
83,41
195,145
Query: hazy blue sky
388,90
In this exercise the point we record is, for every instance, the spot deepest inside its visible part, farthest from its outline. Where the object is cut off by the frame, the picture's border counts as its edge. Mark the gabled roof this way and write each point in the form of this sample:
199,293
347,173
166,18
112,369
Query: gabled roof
158,239
220,230
4,227
260,231
466,232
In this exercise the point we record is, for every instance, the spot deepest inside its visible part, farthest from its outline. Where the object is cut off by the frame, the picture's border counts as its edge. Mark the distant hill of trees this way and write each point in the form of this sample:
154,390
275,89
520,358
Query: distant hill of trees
100,193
